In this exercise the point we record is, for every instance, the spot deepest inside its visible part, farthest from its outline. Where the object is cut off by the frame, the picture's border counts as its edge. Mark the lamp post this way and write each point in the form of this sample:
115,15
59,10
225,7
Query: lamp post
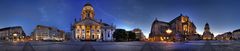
14,36
169,32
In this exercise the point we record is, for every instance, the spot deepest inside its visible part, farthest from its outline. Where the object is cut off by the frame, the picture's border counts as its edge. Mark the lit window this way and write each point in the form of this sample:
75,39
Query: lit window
14,34
78,26
185,27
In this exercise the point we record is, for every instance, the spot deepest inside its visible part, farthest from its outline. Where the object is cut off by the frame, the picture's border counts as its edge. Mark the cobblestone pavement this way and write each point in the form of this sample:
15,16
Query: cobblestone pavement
121,46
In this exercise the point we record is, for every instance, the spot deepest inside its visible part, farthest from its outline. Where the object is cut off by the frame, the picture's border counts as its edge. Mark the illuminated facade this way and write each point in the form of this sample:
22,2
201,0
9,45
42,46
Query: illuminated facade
47,33
180,28
15,33
236,34
139,34
88,28
107,32
207,35
225,36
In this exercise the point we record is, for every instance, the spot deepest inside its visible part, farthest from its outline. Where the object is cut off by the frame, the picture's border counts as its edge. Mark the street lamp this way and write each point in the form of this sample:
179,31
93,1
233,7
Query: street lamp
14,36
169,31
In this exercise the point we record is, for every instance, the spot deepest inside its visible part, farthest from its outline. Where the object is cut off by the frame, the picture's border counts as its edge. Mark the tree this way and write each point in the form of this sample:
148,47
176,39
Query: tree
120,35
131,35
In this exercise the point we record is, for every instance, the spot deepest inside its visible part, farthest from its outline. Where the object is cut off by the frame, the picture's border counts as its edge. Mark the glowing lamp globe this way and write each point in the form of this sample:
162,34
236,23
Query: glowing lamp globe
169,31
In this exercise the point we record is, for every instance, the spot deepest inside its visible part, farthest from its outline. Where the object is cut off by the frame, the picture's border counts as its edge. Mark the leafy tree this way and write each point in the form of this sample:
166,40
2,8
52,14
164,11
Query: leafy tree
131,35
120,35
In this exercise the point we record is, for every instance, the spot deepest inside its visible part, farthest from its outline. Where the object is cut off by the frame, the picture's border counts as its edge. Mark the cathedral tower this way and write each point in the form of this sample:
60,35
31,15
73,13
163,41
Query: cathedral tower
206,28
207,35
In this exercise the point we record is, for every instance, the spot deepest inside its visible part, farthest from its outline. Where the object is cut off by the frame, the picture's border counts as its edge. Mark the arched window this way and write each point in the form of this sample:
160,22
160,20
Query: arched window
185,27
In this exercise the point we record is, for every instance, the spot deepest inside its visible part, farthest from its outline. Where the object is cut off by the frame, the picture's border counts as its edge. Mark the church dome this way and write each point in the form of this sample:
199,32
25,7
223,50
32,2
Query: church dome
88,11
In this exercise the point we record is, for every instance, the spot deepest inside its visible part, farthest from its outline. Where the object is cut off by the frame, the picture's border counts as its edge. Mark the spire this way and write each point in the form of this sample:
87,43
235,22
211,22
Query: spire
75,20
207,24
181,14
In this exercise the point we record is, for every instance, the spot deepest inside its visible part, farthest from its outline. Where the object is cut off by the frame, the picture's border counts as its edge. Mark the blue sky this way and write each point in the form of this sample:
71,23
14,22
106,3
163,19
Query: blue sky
222,15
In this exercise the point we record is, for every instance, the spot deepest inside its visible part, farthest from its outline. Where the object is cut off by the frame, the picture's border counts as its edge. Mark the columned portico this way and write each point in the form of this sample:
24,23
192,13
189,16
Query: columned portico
88,28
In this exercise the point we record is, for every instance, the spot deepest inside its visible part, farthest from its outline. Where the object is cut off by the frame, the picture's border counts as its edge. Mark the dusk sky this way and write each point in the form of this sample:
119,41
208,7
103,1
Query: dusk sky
222,15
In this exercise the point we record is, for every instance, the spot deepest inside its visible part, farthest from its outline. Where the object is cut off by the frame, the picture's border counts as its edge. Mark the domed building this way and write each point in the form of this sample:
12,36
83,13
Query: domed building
88,28
207,35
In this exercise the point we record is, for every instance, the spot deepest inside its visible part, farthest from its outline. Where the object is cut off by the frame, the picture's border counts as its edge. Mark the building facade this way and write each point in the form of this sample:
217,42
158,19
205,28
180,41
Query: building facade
207,35
47,33
224,36
88,28
179,29
107,32
14,33
139,34
236,34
